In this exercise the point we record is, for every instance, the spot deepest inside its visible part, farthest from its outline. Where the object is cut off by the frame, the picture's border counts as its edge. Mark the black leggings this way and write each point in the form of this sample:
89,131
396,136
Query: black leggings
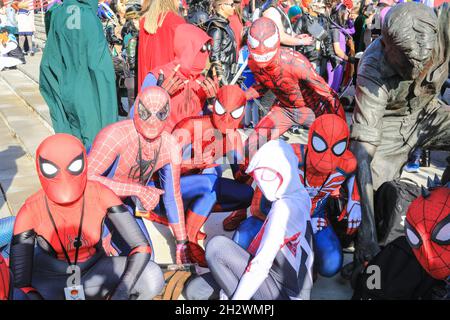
100,275
227,262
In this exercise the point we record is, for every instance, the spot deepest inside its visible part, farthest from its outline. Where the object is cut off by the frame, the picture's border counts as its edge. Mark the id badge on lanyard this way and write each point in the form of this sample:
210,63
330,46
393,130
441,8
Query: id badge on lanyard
74,289
74,293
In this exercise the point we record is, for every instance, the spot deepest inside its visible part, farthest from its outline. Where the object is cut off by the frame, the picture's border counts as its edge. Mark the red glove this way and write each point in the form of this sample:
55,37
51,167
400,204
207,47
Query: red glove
209,87
172,84
182,253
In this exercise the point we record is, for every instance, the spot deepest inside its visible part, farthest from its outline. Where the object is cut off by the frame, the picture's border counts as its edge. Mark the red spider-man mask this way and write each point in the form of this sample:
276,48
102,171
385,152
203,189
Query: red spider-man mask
62,168
229,108
263,41
327,142
427,228
152,111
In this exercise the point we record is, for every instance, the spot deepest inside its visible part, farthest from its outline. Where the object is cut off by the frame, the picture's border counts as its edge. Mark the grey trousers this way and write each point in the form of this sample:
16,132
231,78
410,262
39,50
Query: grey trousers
100,275
429,129
227,262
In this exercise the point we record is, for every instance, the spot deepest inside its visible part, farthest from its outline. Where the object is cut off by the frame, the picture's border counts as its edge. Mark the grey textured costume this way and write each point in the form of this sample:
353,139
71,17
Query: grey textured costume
397,109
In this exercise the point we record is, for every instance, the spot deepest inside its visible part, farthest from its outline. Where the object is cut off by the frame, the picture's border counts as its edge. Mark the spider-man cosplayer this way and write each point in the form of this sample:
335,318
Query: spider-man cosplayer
188,89
65,218
216,136
301,93
278,263
427,226
132,150
324,165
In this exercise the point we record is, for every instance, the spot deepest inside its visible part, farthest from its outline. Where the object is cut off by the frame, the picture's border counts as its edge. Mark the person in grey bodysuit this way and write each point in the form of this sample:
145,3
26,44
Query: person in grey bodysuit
397,107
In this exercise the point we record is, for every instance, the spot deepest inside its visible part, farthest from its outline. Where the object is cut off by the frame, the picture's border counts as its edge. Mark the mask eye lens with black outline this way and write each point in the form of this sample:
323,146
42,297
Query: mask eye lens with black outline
340,147
219,109
144,114
413,237
236,114
318,143
76,167
163,113
48,168
441,233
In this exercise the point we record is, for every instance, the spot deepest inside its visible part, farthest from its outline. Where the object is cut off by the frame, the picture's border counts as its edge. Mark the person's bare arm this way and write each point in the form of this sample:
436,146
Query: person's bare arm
285,38
339,52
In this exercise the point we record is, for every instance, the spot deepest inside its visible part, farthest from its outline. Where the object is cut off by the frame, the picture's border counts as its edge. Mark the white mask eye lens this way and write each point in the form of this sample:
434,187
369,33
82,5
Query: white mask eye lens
236,114
252,42
444,234
271,41
318,144
76,166
339,148
219,109
441,233
413,239
412,236
49,169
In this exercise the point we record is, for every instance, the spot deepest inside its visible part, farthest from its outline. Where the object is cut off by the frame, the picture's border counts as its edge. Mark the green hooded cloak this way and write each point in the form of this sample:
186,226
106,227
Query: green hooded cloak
77,77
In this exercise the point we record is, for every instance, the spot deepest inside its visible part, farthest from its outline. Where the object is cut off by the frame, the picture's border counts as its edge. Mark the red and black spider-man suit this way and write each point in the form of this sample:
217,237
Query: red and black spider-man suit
66,219
301,93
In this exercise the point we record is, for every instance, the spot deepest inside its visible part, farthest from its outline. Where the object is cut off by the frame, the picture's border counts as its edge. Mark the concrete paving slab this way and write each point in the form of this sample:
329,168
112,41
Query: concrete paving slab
23,124
28,90
18,178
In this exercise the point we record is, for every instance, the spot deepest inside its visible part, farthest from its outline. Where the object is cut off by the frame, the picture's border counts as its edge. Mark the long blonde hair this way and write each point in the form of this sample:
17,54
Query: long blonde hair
155,11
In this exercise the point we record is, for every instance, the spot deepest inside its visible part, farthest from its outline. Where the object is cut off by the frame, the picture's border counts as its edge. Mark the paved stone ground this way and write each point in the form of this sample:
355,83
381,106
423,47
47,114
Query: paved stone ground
25,121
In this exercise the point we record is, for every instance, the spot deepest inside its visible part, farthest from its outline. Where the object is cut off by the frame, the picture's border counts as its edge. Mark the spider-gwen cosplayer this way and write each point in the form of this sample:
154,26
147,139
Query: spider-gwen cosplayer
277,265
301,93
323,165
217,137
61,225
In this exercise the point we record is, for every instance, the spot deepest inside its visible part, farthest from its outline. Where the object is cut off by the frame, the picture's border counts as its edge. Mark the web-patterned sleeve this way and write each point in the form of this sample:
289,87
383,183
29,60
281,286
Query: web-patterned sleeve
107,146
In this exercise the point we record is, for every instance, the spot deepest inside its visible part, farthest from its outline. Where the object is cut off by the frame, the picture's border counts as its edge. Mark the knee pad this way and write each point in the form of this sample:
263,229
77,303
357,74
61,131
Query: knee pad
247,231
327,252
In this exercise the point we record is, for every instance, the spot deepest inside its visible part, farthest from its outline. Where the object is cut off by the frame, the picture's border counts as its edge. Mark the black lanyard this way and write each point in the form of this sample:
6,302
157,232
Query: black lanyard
153,163
77,244
323,184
